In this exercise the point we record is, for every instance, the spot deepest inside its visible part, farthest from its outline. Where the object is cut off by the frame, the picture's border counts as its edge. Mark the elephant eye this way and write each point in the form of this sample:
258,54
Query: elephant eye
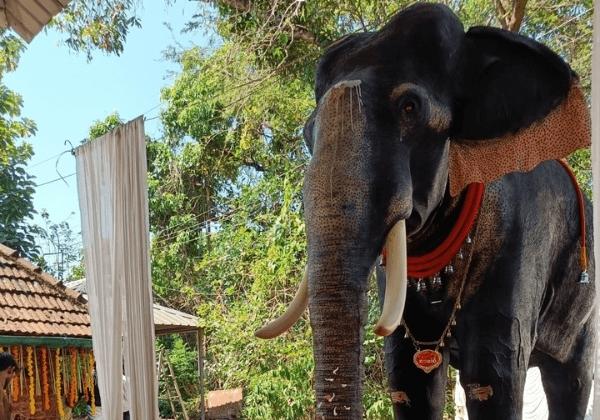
409,105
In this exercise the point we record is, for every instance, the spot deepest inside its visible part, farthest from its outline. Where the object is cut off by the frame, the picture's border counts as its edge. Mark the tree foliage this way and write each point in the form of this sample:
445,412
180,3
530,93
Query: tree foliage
97,25
101,25
16,185
226,179
16,203
60,251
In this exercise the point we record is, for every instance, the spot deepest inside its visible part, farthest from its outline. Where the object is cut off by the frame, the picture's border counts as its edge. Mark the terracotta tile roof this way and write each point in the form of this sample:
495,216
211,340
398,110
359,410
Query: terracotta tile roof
34,303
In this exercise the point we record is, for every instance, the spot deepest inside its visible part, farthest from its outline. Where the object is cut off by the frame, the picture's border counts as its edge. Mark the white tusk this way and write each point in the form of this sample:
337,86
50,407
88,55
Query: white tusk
291,315
395,281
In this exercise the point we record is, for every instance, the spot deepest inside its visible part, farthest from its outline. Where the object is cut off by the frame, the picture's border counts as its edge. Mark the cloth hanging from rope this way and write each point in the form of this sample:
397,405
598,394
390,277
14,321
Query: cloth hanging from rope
113,198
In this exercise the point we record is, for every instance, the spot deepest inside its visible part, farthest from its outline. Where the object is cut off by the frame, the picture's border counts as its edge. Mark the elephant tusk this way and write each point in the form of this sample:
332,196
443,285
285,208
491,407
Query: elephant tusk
395,281
291,315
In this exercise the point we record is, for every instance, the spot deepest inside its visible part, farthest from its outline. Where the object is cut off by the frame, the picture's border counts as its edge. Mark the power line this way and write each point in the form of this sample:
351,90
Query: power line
47,160
62,178
38,163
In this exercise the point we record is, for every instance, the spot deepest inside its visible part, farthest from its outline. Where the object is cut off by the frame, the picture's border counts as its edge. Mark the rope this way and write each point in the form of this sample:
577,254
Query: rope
583,259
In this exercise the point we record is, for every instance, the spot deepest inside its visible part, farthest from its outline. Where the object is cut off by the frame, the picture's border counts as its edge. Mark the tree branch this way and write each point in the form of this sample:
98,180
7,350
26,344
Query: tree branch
299,31
518,13
239,5
501,14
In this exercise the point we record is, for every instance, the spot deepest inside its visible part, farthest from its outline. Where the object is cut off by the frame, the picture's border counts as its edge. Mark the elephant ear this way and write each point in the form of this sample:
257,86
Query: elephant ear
520,104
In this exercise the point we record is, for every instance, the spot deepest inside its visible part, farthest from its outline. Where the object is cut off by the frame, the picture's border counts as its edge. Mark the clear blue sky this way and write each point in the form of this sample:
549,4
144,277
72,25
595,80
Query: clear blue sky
64,94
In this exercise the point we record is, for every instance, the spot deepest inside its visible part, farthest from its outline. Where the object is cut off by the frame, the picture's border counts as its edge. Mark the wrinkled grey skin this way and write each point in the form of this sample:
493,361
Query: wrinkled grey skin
388,105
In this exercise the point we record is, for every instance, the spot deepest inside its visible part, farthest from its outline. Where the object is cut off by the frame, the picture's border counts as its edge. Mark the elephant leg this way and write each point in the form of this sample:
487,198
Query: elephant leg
493,366
416,395
567,385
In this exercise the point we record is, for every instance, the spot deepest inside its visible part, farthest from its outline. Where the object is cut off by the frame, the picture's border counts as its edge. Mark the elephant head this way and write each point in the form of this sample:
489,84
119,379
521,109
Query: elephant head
406,117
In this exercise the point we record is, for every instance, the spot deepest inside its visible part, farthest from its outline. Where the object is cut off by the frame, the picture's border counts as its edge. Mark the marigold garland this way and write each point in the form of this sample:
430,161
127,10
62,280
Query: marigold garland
16,385
84,375
73,377
91,381
45,381
57,381
31,384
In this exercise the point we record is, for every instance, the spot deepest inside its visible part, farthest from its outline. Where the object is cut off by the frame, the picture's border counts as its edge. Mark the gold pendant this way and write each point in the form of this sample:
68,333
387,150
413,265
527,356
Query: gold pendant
427,360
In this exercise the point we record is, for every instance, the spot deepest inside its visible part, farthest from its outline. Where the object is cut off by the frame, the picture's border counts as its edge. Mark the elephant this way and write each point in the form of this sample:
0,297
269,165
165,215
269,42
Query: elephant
442,150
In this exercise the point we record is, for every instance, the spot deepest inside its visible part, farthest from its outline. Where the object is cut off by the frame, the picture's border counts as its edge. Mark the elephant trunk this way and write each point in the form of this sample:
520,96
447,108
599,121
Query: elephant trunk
345,233
338,311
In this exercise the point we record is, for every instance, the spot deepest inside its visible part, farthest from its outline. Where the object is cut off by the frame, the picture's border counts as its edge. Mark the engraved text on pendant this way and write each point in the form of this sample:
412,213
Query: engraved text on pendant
427,360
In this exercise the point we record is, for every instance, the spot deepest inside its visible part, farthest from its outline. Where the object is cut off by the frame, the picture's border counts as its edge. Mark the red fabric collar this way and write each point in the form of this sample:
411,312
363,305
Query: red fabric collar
433,262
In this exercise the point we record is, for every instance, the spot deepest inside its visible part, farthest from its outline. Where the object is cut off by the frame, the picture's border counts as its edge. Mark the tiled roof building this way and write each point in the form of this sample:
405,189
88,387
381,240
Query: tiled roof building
41,321
33,303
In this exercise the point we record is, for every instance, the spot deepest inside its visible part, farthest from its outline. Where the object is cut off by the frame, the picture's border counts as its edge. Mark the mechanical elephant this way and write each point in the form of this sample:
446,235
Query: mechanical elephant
446,146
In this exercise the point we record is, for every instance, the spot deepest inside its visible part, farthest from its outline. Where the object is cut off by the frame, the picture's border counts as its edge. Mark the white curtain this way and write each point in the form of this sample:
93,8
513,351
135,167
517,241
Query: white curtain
113,198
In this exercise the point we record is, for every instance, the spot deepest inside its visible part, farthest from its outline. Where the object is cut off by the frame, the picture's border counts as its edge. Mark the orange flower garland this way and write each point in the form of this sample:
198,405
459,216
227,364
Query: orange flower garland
91,382
73,378
57,382
31,384
84,375
45,381
16,384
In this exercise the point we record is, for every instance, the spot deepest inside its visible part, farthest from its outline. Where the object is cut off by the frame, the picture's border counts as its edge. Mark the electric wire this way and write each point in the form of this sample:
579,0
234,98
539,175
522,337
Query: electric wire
71,149
62,178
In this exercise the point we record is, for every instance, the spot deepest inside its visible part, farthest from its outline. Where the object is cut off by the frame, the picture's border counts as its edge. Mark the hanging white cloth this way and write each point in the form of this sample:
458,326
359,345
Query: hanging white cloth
113,198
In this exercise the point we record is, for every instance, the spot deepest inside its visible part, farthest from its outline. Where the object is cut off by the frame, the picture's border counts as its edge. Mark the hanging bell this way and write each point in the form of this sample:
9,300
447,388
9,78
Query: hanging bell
442,344
469,240
453,322
421,286
584,277
436,281
460,254
449,270
449,334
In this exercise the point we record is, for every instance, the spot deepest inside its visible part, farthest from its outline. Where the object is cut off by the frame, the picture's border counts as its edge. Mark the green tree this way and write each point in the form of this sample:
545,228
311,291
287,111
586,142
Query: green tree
60,251
16,203
97,25
101,25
